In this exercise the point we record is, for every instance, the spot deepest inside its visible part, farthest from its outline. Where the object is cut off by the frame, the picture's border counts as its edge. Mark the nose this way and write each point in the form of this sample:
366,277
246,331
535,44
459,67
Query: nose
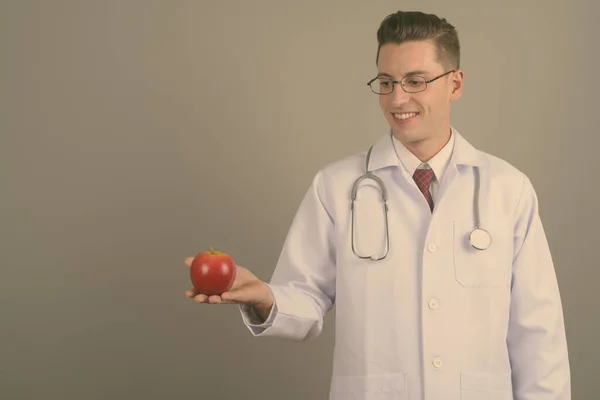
398,96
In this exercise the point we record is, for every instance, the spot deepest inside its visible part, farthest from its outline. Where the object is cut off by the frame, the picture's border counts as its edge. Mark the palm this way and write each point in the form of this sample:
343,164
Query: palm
244,279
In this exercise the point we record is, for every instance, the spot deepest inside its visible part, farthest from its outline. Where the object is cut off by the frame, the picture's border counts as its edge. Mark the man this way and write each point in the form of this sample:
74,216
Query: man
425,309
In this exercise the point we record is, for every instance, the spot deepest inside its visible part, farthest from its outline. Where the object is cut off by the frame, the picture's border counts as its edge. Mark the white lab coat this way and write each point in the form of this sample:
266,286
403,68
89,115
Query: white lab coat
436,319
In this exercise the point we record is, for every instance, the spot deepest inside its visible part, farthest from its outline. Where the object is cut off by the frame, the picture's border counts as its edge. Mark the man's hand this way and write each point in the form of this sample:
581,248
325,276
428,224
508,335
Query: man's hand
246,289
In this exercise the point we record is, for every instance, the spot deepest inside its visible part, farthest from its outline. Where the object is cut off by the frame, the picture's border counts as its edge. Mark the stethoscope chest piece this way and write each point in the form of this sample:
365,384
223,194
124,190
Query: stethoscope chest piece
480,239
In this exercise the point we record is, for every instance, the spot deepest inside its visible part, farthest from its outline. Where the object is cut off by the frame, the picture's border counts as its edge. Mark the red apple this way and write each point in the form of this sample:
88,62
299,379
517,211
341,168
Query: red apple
212,272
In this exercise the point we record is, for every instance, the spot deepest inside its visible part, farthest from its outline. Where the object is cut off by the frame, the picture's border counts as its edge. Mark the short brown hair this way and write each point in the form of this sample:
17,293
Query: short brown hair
404,26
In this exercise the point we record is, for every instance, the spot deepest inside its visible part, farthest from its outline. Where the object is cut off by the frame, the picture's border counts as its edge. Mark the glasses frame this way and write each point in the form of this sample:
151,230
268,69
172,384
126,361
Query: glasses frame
394,82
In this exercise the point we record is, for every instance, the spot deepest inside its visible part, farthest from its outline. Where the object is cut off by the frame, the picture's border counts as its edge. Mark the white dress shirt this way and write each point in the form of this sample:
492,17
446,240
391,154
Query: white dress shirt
438,163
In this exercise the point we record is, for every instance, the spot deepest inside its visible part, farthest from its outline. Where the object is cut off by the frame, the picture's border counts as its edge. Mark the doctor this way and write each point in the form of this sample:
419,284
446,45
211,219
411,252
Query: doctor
427,305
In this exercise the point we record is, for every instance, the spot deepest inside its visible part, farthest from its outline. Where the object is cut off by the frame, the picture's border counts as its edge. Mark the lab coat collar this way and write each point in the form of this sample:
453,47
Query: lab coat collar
464,153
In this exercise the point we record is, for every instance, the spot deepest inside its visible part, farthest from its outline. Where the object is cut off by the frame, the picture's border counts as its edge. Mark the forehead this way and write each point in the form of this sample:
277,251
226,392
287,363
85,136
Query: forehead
401,59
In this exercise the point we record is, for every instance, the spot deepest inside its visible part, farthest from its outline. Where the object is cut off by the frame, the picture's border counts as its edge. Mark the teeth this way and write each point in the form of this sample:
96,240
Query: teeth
405,116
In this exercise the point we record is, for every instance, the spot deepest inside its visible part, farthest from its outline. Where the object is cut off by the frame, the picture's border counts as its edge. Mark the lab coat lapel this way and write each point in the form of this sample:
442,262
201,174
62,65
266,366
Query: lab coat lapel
464,155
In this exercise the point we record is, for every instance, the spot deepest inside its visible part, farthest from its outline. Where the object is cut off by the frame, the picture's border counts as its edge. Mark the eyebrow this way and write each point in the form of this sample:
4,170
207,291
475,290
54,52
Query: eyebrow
411,73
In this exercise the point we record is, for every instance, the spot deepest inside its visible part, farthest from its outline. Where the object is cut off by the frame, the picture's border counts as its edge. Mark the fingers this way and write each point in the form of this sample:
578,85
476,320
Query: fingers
201,298
188,261
222,299
228,297
197,296
213,299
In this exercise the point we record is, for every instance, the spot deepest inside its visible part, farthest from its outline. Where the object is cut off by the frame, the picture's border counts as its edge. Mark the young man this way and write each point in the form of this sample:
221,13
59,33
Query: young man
445,291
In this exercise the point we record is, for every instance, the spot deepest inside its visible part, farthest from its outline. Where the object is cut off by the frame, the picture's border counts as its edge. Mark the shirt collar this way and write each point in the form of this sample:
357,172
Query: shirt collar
437,163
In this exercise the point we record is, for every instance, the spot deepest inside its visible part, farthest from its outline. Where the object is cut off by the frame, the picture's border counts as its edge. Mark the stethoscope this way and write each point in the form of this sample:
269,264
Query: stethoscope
480,239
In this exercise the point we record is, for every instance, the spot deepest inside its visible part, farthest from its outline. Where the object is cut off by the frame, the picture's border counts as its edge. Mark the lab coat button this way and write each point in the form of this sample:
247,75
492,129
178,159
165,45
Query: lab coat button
437,362
432,247
433,304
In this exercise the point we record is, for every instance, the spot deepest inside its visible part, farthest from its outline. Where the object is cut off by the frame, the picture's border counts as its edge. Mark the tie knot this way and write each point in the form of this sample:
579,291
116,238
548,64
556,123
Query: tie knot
423,178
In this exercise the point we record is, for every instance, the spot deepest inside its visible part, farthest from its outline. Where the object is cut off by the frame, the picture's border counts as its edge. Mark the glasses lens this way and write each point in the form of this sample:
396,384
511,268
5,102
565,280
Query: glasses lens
382,85
414,84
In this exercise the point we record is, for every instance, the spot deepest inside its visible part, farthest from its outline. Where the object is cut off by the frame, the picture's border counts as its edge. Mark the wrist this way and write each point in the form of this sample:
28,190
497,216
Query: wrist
263,308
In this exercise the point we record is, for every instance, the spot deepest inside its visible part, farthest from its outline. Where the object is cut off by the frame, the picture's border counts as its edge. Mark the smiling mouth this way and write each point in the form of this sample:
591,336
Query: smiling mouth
405,116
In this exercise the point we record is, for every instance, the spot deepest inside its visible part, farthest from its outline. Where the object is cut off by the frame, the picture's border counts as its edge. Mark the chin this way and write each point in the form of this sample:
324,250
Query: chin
407,135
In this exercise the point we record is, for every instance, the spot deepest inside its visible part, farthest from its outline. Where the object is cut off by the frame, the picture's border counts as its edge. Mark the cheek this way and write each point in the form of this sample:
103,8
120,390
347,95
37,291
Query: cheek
432,104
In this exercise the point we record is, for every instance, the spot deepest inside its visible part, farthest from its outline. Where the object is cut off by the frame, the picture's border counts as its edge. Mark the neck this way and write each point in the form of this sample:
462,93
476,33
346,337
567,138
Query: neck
428,147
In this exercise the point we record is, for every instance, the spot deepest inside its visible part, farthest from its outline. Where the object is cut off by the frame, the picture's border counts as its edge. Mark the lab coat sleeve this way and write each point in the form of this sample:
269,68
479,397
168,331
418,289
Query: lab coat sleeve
253,321
303,283
536,339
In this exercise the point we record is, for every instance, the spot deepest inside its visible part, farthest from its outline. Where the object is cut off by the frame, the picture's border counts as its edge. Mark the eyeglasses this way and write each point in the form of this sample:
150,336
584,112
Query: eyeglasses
410,84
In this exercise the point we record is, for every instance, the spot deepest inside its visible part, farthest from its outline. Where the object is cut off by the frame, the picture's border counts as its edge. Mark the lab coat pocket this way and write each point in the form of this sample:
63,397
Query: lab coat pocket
490,268
483,385
392,386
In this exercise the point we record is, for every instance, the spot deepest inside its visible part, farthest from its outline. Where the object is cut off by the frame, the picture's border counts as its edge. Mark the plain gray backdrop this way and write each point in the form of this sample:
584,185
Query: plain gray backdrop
136,133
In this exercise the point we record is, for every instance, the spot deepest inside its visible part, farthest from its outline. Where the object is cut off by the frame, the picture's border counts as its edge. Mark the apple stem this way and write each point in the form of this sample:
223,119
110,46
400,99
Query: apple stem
212,250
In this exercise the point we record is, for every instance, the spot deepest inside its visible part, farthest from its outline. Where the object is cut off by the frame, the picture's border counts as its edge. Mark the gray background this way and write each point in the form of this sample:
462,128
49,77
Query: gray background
136,133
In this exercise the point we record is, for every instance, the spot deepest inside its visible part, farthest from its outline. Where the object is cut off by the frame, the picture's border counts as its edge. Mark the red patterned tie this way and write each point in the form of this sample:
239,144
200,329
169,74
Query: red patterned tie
423,179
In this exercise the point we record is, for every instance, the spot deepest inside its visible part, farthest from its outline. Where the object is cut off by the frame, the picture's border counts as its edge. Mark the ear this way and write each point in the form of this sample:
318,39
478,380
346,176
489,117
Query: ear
456,83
